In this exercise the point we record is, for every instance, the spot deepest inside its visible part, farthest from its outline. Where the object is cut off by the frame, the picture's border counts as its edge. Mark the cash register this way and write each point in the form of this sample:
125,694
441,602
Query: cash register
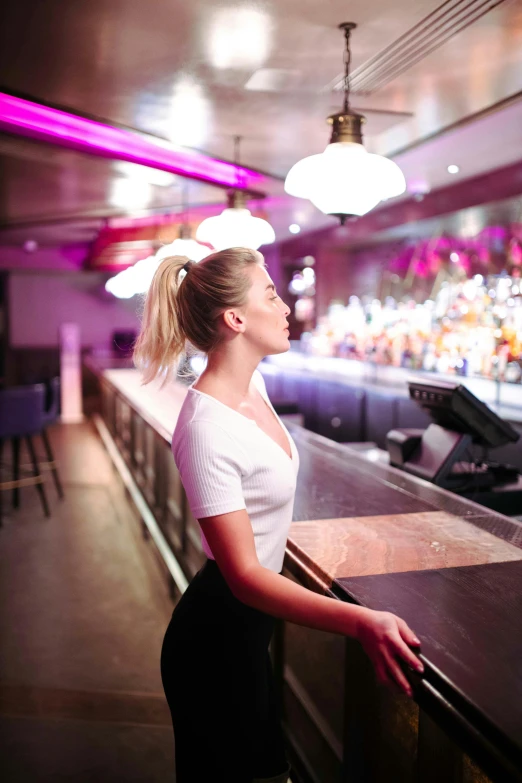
446,452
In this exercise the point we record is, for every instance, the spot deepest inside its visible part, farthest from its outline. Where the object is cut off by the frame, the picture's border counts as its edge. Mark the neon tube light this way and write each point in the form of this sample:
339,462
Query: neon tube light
22,117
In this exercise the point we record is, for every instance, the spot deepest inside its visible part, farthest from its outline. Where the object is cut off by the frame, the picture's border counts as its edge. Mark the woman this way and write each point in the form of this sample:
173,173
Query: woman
238,465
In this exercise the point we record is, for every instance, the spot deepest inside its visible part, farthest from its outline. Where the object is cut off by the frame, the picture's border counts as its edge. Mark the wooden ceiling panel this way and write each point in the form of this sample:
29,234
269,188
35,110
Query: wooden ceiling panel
46,183
199,73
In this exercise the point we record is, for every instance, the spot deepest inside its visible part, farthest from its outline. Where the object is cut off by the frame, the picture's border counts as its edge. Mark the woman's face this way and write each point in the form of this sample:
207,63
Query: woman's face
265,314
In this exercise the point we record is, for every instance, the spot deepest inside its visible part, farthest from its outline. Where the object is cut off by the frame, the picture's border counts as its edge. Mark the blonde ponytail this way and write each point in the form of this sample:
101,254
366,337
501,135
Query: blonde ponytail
184,311
161,341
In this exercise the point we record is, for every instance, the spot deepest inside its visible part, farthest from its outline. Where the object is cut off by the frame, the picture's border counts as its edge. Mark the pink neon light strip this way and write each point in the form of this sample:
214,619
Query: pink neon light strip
26,118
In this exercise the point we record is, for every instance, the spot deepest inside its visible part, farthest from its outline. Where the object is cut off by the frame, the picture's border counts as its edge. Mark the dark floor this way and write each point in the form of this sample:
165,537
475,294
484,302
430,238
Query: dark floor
83,610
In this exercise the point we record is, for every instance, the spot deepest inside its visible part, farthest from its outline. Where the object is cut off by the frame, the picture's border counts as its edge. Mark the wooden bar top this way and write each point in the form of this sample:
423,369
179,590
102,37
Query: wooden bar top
159,407
468,620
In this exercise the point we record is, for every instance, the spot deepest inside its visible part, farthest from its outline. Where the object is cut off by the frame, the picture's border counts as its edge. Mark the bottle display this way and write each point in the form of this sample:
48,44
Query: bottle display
470,328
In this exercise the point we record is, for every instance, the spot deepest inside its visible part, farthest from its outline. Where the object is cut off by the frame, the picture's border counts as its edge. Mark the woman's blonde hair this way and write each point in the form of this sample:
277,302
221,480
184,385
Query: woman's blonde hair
177,311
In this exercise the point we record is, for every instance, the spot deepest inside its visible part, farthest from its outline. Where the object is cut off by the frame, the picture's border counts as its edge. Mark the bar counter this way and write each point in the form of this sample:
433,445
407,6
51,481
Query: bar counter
505,398
367,533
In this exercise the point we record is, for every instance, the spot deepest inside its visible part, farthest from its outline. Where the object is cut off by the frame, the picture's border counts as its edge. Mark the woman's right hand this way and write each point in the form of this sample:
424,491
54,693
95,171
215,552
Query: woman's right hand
385,639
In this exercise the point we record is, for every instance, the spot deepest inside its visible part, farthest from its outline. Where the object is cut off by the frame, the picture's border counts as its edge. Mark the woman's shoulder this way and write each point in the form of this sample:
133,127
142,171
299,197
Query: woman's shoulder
195,417
206,442
202,426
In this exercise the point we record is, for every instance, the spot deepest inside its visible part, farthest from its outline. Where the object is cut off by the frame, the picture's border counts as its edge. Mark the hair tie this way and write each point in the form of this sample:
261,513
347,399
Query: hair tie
187,266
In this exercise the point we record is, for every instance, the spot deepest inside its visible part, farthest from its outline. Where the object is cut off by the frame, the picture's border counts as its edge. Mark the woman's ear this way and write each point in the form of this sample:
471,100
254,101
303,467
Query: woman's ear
235,320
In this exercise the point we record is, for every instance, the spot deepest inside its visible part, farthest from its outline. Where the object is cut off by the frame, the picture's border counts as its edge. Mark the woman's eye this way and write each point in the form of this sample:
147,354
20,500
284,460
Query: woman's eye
275,297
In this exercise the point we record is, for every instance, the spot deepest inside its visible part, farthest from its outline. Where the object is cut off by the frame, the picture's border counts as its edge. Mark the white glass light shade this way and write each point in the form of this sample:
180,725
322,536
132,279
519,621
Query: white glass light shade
143,272
134,280
122,285
235,227
184,247
345,179
137,278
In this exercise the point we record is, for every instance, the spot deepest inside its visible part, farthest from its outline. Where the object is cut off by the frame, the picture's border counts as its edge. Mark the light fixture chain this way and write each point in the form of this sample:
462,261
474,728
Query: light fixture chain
185,201
237,142
347,58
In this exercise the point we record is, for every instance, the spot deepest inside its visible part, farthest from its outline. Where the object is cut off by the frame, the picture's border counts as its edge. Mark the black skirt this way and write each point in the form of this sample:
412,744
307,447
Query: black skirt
218,681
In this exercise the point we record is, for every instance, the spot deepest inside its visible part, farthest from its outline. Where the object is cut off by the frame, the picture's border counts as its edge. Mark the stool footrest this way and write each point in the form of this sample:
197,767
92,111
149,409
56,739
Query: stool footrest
25,482
48,464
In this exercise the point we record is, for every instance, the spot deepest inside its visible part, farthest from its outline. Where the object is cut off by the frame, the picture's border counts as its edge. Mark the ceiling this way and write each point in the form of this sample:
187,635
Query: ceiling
440,83
462,224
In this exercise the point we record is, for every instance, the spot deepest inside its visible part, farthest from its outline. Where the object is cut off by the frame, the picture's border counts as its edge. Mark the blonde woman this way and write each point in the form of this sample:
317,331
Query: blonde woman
238,465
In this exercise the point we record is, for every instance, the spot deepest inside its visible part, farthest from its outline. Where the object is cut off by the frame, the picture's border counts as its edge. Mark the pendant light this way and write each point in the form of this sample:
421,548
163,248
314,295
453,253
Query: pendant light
184,244
345,180
235,226
137,278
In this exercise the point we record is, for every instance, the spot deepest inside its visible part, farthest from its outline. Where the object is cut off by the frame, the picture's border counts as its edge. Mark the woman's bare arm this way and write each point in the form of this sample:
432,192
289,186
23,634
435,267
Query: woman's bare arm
384,636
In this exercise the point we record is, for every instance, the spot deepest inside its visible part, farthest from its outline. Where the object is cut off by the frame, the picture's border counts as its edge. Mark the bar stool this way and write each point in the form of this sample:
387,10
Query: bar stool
22,416
49,417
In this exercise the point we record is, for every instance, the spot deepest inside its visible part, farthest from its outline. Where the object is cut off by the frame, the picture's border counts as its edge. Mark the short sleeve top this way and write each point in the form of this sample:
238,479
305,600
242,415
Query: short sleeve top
227,463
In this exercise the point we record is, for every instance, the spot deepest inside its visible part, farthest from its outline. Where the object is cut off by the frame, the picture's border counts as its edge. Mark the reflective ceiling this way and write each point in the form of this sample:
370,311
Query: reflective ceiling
199,73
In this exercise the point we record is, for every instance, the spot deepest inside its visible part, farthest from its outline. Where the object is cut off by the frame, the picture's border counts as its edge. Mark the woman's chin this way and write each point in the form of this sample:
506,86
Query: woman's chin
285,348
273,351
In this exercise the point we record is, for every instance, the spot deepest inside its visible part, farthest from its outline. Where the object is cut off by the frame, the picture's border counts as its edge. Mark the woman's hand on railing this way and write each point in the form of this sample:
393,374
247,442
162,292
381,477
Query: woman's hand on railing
386,639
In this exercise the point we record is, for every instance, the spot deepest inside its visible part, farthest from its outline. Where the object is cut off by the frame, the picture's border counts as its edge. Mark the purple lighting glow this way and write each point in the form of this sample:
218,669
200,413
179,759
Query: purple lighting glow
26,118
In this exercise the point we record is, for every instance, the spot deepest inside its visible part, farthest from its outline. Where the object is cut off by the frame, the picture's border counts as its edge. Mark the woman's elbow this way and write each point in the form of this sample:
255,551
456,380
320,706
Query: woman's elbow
244,585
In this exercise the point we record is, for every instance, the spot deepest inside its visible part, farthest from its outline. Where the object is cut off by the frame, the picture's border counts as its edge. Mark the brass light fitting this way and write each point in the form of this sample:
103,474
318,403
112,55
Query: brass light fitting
346,124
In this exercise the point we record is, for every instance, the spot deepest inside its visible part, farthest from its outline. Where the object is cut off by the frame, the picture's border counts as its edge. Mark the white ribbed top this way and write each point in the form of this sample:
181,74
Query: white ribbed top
227,462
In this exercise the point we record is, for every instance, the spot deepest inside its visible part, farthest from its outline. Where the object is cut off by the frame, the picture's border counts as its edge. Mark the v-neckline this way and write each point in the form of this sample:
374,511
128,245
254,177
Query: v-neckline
253,421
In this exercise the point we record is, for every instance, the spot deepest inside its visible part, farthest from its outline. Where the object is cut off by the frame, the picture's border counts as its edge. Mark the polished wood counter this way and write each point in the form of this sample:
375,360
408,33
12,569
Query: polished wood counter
354,520
468,620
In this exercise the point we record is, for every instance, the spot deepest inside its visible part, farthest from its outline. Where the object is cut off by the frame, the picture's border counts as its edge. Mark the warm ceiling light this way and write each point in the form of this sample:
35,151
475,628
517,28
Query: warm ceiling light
145,174
123,285
184,245
453,169
294,228
235,226
239,38
130,193
137,278
189,118
345,179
